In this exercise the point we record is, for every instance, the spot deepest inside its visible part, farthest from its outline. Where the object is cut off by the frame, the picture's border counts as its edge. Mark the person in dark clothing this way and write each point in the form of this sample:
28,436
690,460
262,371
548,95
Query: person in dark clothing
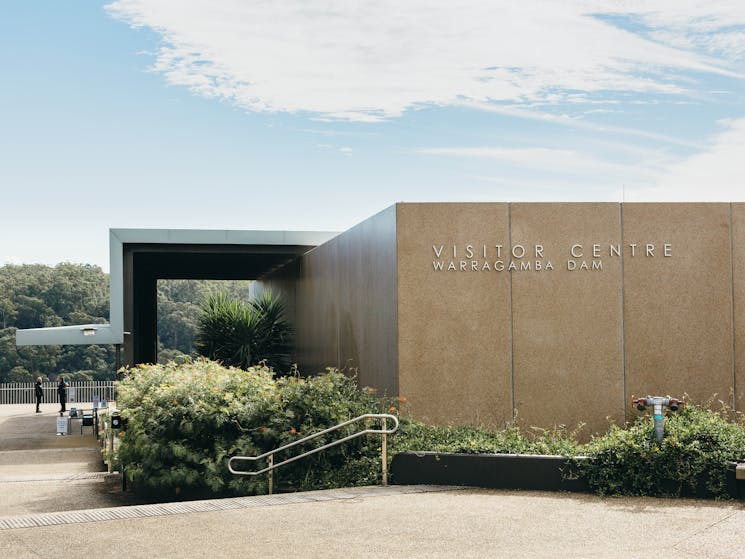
62,391
39,393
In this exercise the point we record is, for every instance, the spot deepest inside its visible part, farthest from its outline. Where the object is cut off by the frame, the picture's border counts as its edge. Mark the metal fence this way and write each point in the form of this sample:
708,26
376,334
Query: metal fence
82,391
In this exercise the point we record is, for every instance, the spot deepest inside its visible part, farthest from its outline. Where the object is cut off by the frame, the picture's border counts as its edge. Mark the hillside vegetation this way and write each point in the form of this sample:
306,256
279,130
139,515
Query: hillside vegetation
38,296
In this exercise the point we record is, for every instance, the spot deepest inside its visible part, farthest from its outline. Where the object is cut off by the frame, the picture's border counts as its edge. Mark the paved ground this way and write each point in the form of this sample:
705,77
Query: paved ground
360,522
43,472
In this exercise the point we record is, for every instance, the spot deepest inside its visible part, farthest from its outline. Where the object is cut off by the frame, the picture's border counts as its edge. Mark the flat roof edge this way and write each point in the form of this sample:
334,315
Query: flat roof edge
81,334
222,236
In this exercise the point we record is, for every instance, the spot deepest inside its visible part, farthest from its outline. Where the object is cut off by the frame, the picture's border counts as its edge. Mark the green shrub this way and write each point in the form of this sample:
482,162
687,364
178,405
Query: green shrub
415,436
693,455
186,420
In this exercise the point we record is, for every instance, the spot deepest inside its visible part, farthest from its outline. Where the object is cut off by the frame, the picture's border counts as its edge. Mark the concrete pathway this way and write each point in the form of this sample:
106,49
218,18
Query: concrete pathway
399,521
395,522
43,472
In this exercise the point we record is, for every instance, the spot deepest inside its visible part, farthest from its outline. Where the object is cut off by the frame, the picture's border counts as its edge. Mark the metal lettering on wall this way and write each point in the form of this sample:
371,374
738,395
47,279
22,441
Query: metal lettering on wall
535,258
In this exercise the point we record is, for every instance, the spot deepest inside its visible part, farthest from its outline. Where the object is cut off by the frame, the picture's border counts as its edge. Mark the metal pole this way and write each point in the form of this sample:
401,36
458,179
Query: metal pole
271,473
111,446
659,420
384,452
95,421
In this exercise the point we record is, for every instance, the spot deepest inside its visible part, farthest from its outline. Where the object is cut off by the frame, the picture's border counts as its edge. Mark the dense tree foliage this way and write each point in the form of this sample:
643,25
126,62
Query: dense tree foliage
37,296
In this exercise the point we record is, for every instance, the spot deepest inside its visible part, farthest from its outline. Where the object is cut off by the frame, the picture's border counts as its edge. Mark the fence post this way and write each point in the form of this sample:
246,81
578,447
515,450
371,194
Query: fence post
111,444
384,452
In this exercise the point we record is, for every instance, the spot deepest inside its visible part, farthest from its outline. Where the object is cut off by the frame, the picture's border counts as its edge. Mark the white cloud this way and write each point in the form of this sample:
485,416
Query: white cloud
716,174
715,26
575,122
713,174
10,259
541,160
345,150
371,60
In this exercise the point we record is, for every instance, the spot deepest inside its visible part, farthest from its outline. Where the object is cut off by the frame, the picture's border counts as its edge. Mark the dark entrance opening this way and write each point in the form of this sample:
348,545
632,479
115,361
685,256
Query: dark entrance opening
145,264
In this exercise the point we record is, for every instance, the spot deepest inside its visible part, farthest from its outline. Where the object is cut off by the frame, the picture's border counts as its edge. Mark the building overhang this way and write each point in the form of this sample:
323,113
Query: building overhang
276,247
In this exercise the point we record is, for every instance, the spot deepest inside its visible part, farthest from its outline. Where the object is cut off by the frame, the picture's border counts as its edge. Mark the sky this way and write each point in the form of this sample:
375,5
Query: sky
316,114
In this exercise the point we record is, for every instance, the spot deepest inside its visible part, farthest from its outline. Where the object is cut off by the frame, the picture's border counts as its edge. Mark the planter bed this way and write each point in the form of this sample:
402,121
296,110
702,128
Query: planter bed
503,471
513,471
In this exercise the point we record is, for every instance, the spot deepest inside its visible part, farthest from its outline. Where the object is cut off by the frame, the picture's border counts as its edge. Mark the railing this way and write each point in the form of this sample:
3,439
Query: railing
77,391
383,431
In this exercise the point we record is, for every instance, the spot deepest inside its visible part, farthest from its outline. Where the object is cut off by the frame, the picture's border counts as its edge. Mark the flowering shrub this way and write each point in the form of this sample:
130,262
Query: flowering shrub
185,421
691,459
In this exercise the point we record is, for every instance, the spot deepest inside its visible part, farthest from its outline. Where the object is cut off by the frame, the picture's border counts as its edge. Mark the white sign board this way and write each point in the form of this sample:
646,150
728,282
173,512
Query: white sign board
96,401
71,394
62,425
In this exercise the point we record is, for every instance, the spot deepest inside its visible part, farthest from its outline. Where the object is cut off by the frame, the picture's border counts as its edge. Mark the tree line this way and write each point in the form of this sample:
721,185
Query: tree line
38,296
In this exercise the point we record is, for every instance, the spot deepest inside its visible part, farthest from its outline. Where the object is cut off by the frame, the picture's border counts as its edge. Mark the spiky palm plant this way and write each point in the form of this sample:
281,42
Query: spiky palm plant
243,334
273,332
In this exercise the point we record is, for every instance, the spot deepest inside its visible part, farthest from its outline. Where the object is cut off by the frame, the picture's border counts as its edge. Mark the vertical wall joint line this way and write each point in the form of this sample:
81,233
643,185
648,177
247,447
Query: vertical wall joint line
397,332
732,307
512,332
623,312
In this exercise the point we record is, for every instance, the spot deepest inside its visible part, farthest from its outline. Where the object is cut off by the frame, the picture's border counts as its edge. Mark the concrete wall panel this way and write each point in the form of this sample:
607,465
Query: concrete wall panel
567,322
454,327
678,309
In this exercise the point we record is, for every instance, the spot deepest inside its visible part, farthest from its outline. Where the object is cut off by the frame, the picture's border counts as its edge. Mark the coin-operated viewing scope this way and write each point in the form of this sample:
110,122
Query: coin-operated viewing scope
658,403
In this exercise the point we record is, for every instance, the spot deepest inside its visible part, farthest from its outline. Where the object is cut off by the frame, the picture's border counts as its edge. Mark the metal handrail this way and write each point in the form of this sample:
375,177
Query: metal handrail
270,455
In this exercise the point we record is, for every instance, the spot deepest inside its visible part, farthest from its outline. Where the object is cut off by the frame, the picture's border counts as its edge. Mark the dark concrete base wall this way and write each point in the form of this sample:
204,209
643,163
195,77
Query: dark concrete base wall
499,471
517,471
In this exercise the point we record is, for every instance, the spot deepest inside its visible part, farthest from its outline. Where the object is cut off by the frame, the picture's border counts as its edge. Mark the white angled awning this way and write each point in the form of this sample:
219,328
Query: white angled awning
113,333
84,334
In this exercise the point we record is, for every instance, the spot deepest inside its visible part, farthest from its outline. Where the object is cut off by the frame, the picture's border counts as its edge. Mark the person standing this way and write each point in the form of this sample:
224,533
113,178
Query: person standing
39,393
62,391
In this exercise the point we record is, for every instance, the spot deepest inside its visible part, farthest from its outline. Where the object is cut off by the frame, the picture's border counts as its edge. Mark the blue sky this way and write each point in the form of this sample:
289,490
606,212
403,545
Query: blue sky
239,114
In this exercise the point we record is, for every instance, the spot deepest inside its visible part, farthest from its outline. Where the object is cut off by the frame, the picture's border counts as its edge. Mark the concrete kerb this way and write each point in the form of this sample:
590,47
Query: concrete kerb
209,505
